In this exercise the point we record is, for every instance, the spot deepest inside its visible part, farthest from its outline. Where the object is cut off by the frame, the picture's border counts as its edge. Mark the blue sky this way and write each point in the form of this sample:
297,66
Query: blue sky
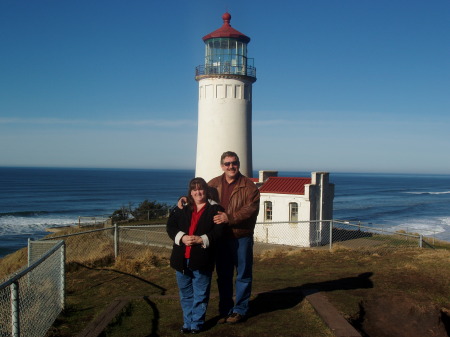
342,85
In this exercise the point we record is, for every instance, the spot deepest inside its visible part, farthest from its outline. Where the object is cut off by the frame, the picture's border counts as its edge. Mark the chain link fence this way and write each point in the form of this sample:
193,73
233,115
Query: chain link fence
357,235
90,247
31,299
333,234
131,240
84,221
104,245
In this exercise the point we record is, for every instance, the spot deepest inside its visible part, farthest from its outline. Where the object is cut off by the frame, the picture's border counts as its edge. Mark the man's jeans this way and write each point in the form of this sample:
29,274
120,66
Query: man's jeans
194,287
234,253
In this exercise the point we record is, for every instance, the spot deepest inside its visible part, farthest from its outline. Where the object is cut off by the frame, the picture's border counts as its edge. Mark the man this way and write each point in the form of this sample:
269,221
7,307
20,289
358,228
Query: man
239,196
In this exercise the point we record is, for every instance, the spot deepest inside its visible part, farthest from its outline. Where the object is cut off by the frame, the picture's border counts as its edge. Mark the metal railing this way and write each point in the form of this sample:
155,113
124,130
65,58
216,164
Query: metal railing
31,299
225,69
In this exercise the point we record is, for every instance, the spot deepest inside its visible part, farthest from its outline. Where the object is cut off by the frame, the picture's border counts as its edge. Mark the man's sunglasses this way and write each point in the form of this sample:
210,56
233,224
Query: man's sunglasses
228,163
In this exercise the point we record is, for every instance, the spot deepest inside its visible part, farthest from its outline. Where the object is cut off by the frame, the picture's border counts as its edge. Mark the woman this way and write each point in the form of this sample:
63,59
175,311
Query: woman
195,236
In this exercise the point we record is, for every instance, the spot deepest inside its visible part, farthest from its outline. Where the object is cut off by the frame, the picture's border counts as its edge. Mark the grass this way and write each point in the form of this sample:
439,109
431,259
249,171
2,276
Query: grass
395,288
349,279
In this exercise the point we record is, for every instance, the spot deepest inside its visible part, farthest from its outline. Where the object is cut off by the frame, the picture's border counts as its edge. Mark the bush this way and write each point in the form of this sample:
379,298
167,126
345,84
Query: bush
150,210
145,211
121,214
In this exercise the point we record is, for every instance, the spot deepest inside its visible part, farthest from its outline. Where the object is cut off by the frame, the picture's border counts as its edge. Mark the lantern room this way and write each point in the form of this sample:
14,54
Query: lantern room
226,52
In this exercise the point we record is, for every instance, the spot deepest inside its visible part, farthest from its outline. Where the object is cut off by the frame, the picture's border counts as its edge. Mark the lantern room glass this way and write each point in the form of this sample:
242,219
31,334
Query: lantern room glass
226,56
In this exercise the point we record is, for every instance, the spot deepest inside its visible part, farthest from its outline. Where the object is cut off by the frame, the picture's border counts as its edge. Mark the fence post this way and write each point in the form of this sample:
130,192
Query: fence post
331,234
116,241
63,275
420,240
15,314
29,251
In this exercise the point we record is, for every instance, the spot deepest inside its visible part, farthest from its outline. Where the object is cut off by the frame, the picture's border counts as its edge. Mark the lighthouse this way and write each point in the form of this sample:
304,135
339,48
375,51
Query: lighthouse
224,101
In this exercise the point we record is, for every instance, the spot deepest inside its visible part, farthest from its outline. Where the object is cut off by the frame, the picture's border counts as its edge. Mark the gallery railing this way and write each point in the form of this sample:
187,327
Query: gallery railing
225,69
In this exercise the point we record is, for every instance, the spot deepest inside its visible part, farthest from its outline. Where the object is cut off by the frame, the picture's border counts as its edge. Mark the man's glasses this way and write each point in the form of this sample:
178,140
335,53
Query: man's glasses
228,163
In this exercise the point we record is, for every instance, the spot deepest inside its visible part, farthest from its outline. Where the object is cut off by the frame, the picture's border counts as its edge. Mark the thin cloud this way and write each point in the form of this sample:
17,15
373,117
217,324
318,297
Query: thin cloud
154,122
83,122
272,122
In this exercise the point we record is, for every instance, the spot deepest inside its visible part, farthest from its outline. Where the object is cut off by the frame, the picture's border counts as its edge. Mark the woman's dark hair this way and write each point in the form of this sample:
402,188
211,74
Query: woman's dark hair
197,184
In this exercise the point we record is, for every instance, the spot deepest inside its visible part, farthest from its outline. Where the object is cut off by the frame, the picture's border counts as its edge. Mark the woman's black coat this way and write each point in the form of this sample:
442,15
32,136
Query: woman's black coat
201,258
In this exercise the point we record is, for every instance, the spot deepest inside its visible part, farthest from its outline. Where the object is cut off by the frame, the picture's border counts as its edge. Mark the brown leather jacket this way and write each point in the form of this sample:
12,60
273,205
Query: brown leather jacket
243,207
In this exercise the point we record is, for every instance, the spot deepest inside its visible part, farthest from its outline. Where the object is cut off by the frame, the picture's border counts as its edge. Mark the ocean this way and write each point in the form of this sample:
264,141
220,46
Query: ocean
33,199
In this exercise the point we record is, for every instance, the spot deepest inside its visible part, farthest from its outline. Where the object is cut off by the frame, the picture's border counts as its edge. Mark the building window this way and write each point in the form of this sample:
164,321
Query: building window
293,212
267,210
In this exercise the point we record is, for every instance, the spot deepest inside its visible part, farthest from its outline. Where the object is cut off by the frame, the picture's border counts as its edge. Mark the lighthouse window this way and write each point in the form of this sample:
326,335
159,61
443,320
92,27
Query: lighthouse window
226,56
268,210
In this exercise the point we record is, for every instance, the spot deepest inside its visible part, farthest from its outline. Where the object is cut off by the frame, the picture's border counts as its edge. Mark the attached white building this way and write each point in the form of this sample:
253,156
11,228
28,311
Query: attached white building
293,210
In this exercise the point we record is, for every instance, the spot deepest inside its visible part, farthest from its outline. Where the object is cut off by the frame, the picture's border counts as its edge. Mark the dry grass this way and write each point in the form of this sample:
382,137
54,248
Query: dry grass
13,262
142,262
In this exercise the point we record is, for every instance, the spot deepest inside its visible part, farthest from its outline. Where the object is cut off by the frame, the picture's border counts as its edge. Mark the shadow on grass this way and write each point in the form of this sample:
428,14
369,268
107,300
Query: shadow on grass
445,318
162,289
154,323
287,298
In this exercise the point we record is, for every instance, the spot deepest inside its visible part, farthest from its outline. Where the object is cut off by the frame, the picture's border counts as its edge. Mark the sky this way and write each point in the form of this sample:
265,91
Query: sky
342,85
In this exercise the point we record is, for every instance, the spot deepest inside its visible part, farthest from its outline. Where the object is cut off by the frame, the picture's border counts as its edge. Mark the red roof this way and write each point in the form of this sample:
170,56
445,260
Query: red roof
227,31
285,185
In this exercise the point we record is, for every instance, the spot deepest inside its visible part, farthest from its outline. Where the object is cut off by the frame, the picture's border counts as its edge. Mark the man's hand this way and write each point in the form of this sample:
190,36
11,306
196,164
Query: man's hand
221,217
181,202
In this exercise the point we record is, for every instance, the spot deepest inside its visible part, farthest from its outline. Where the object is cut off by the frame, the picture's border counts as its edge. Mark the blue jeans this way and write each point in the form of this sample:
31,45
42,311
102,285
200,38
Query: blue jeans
234,254
194,287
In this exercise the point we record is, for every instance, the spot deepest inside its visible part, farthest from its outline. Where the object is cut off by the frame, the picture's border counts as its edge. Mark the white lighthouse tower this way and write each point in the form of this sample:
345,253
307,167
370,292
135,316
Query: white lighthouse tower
225,101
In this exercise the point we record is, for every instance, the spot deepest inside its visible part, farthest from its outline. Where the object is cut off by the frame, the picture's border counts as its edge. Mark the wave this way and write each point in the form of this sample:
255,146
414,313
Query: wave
428,193
30,225
438,227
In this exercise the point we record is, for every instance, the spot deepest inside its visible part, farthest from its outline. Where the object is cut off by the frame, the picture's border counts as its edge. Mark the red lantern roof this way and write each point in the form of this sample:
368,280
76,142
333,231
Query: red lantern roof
227,31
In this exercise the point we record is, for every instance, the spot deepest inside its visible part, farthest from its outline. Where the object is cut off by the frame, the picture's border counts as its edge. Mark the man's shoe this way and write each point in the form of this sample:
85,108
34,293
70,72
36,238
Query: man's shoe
196,331
185,330
235,318
222,320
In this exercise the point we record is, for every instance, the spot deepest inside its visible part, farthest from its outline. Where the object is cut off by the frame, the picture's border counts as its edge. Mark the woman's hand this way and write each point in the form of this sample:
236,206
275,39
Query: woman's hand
182,202
192,240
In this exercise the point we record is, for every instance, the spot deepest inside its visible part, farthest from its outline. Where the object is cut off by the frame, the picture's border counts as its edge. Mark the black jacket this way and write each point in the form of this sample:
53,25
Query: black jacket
201,258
